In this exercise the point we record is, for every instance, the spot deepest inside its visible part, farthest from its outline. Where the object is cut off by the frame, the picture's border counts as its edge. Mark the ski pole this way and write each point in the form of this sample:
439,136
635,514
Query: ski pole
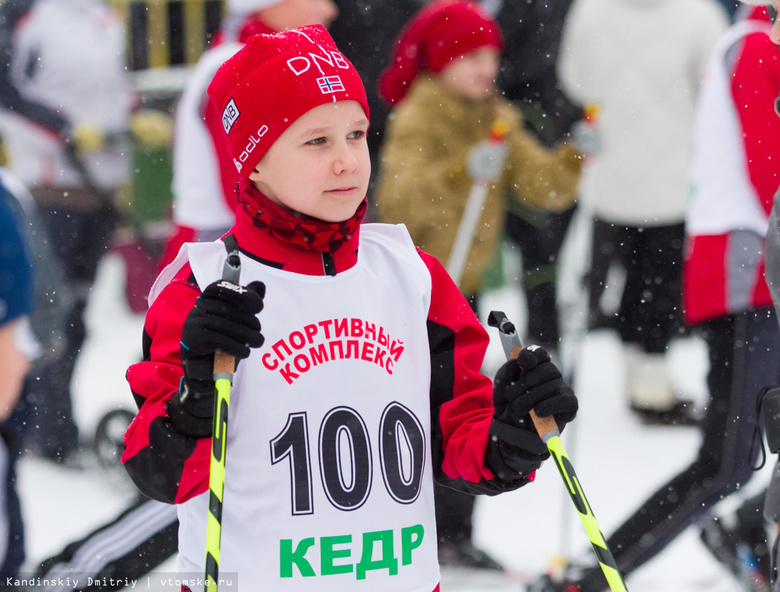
471,213
224,365
548,431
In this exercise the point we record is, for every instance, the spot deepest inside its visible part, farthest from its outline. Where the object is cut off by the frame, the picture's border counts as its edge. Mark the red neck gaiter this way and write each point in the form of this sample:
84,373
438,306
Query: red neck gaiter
300,230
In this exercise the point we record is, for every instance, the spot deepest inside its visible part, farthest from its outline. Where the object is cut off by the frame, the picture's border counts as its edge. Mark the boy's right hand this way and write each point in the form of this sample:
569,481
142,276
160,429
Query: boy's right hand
224,318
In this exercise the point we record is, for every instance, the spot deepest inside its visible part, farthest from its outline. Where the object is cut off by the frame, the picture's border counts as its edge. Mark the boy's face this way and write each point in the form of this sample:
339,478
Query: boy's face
320,165
473,75
291,14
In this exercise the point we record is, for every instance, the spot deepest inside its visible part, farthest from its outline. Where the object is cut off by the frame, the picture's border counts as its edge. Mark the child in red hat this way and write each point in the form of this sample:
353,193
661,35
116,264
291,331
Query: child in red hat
437,158
441,82
363,383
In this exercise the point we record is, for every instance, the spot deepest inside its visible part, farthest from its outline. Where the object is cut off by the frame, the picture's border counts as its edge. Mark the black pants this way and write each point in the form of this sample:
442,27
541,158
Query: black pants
11,434
128,547
453,514
650,311
454,508
540,242
743,352
80,239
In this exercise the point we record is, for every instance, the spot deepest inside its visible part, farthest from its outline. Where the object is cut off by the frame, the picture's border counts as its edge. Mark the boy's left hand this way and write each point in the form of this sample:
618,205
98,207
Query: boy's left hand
532,381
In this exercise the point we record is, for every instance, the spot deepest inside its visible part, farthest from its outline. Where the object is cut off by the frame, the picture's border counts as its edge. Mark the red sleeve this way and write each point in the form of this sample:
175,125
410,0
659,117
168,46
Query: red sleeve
182,234
461,396
755,84
164,464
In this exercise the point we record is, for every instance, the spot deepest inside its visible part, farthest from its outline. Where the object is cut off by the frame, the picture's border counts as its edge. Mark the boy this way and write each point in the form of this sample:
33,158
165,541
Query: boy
368,383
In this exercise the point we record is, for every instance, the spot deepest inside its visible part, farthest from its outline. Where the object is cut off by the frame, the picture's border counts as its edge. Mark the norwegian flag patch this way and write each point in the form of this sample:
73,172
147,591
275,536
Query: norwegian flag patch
330,84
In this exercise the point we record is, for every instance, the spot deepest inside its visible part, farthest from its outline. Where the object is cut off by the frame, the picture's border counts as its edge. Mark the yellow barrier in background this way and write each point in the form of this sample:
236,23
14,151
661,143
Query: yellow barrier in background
164,33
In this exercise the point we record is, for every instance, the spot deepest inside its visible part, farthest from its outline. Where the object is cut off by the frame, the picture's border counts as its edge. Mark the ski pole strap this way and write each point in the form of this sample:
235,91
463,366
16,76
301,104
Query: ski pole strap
519,437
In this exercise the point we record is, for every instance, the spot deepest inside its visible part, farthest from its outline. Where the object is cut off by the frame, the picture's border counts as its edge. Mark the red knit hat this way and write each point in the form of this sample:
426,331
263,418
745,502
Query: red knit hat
272,81
436,35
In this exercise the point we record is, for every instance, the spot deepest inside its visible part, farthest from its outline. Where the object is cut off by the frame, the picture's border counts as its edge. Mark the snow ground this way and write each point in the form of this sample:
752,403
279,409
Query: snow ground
618,460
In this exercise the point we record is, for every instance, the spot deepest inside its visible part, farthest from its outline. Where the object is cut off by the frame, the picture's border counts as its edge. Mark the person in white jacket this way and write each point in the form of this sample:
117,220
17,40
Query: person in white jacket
63,90
640,62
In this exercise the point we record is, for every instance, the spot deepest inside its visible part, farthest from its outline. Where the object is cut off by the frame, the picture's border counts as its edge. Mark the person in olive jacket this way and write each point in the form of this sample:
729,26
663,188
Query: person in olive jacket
441,82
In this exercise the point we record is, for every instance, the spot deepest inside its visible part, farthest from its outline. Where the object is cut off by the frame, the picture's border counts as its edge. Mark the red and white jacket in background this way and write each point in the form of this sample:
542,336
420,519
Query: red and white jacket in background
204,177
734,174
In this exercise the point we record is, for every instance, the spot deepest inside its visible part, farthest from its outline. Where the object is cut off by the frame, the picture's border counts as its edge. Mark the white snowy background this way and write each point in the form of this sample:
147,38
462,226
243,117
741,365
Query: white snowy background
619,460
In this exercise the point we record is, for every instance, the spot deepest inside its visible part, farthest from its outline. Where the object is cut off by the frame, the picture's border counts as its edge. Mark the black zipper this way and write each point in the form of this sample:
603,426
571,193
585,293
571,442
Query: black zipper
328,265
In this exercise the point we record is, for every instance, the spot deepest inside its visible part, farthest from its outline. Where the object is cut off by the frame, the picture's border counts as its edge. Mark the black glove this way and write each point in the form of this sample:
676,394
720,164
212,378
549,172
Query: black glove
531,381
224,318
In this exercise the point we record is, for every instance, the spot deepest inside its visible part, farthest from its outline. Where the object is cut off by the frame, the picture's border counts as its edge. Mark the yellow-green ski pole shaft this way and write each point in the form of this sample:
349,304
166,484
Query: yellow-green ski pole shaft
548,431
224,366
223,373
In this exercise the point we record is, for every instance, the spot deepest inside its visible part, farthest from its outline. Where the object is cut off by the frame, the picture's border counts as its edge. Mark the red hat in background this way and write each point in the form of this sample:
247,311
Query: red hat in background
272,81
436,35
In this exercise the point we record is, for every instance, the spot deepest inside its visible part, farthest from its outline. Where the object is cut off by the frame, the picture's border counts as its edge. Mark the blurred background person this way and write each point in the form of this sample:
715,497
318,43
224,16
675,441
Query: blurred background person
441,84
732,177
641,64
532,32
18,349
64,93
764,126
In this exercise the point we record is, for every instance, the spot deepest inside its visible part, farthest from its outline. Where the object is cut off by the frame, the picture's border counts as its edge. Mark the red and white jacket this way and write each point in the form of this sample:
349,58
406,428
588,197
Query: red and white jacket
734,175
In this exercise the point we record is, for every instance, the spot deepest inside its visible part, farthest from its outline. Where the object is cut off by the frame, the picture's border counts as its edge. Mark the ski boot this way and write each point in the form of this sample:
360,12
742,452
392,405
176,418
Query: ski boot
570,578
465,554
744,551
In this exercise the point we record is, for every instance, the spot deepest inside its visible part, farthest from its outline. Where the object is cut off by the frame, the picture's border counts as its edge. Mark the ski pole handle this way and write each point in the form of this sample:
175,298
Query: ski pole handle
224,364
550,435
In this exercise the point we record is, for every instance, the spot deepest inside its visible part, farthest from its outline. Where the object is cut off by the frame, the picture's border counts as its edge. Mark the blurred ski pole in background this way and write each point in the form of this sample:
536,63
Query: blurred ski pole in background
487,158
